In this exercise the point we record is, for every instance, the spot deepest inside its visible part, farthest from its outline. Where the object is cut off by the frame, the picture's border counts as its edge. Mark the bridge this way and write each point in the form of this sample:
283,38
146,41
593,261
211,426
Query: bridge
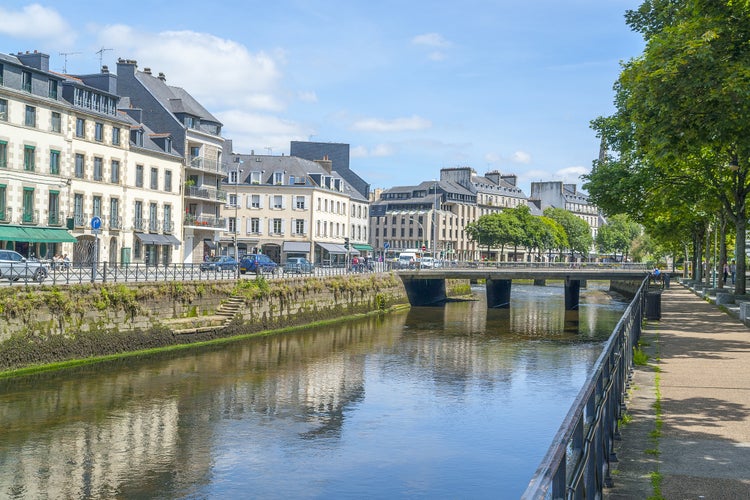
427,286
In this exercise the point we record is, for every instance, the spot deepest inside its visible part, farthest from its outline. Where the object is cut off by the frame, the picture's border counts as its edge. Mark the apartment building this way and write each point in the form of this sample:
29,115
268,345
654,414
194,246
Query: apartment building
284,206
557,194
196,136
65,157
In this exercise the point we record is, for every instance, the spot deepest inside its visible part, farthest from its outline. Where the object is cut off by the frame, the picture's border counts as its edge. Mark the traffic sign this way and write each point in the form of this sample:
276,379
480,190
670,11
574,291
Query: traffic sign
386,245
96,223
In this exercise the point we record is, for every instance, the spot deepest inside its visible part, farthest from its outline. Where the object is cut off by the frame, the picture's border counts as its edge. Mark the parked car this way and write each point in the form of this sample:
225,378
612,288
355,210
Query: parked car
257,262
14,266
298,265
220,263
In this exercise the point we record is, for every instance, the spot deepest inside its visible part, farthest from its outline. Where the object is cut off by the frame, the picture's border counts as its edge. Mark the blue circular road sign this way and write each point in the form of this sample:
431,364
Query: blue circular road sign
96,223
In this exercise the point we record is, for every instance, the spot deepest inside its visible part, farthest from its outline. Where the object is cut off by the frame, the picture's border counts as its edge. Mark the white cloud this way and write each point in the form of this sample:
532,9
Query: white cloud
396,125
257,131
218,72
431,40
379,151
37,22
571,175
521,157
307,96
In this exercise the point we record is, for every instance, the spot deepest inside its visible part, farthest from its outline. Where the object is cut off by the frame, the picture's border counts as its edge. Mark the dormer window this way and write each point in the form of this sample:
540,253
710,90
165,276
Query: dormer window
234,177
254,177
167,144
278,178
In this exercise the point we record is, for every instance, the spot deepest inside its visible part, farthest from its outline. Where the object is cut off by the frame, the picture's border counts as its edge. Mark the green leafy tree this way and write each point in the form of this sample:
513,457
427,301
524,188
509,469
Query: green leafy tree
577,231
617,235
683,116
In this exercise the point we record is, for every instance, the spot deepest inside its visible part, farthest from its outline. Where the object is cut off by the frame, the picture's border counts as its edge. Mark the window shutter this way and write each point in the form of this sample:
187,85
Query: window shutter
260,201
304,226
283,226
249,225
270,225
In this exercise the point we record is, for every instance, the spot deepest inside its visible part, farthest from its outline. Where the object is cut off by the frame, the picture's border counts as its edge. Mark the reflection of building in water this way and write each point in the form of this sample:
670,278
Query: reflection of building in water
97,459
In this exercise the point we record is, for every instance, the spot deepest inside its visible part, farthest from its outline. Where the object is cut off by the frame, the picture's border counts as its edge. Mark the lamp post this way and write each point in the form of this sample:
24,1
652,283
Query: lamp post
419,264
434,223
236,208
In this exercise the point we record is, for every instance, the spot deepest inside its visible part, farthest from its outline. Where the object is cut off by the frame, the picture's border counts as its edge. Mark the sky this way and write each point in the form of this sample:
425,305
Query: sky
412,86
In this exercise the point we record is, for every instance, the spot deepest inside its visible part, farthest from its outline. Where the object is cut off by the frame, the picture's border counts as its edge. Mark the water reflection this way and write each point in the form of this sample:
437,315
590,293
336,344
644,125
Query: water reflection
425,402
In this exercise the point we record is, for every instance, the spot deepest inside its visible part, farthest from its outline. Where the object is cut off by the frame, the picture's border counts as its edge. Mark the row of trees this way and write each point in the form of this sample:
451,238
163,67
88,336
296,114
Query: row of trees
676,154
558,231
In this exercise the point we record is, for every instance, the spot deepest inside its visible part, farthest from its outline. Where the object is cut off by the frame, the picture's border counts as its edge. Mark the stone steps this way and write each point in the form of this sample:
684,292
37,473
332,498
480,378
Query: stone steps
221,319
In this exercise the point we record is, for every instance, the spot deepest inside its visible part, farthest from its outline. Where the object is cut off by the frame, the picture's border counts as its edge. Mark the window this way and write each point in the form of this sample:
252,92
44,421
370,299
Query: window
254,177
54,162
299,226
139,175
299,202
53,209
276,226
233,176
168,181
96,206
154,178
232,200
278,202
138,216
153,219
255,201
138,137
79,167
115,136
168,225
28,158
3,110
114,176
254,225
80,127
114,213
98,132
56,122
278,178
232,228
28,206
26,80
30,118
53,89
3,204
78,210
98,169
3,155
1,74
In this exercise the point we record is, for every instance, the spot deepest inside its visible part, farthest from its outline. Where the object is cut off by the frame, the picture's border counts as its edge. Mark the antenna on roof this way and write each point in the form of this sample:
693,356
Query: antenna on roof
101,55
270,150
65,59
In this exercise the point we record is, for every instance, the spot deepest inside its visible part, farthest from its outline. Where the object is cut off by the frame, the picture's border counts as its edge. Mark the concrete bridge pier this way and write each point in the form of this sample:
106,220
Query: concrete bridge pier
572,294
424,292
498,293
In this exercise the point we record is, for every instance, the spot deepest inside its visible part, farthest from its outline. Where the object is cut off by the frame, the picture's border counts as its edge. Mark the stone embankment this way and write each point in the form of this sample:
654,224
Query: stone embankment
45,324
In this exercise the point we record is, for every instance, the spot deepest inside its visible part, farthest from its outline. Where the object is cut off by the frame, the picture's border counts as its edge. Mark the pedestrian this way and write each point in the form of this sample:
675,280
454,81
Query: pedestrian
725,272
665,278
733,270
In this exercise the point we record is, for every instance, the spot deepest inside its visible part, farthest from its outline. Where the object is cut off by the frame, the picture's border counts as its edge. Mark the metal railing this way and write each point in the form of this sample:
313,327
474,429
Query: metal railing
577,465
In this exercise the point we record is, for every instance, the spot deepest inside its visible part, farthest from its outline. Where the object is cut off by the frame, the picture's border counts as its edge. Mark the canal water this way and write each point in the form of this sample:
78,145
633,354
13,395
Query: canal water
449,402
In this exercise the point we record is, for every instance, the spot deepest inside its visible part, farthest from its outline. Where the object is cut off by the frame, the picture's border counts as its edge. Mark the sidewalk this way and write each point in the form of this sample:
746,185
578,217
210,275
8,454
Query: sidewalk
690,407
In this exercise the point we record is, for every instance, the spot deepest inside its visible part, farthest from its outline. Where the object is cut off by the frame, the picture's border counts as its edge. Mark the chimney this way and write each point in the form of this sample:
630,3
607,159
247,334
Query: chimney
162,77
105,69
147,71
493,176
511,179
325,163
36,60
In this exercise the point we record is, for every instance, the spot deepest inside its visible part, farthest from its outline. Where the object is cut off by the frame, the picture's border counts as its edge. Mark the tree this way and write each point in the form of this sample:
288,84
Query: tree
577,231
617,235
683,116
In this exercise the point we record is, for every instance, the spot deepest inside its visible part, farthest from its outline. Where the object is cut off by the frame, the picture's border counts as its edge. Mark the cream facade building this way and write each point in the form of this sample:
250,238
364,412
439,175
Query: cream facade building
285,206
66,157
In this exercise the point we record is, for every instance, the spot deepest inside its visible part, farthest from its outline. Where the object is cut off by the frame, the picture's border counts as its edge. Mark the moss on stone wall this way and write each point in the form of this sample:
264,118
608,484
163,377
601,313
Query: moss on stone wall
48,324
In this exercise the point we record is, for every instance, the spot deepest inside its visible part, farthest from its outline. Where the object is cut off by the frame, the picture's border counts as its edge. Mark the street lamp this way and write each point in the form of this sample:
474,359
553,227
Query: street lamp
238,162
434,223
419,264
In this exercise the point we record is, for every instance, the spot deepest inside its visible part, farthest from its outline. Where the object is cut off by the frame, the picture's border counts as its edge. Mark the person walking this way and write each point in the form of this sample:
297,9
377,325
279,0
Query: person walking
733,270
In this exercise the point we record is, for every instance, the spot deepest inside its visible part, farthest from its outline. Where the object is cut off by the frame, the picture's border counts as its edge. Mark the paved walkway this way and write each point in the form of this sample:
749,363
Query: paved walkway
690,407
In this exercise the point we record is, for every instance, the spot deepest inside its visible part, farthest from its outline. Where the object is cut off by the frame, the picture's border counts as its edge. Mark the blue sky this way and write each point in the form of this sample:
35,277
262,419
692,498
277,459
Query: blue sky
412,86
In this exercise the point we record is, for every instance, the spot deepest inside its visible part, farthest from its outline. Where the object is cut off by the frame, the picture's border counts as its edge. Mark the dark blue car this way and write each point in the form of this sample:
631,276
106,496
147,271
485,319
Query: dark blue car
220,263
257,263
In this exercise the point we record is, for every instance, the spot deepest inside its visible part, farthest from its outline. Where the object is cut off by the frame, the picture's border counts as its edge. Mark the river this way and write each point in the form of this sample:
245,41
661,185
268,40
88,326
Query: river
437,402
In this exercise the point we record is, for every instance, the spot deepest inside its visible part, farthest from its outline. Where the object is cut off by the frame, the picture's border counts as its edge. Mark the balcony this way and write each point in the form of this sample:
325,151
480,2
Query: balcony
115,223
206,193
30,217
205,221
205,165
168,225
6,215
55,219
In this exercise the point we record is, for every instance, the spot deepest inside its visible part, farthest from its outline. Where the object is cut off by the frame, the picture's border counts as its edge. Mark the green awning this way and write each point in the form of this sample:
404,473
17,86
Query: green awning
12,233
35,234
360,246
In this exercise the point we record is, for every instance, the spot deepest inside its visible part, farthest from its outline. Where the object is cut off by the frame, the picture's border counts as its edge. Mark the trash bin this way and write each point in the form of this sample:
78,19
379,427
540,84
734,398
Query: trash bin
653,305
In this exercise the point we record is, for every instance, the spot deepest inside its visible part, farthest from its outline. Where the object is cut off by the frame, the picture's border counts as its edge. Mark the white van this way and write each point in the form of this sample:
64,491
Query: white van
407,260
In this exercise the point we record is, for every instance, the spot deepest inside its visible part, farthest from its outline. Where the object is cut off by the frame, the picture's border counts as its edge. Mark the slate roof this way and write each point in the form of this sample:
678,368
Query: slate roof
175,99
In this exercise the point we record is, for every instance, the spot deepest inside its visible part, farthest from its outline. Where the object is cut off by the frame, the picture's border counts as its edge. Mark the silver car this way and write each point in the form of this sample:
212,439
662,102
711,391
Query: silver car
14,266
